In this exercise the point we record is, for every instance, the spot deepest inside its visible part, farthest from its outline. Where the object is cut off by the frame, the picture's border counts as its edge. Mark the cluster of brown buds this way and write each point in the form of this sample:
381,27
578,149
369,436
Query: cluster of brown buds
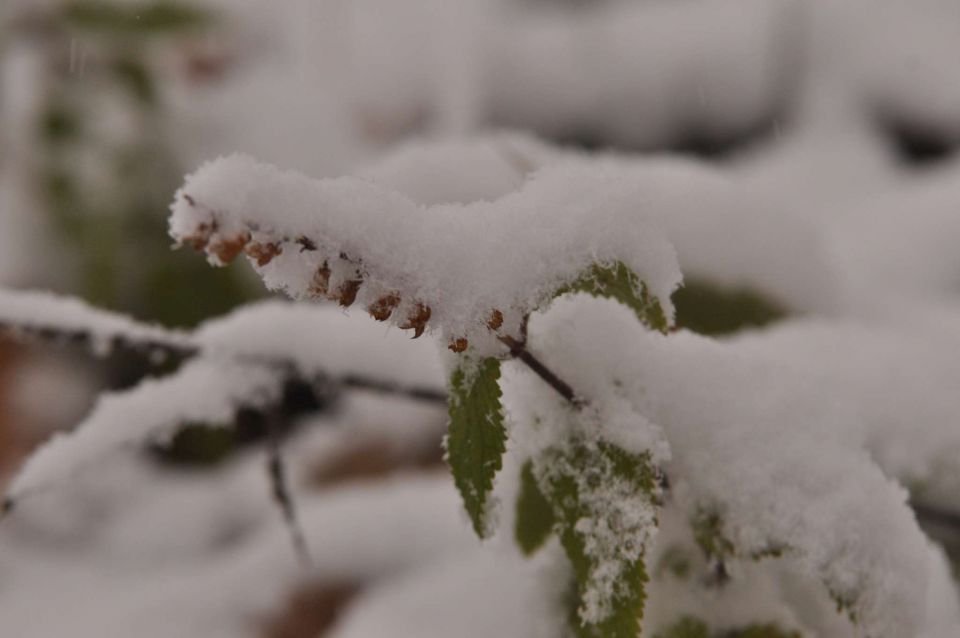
207,236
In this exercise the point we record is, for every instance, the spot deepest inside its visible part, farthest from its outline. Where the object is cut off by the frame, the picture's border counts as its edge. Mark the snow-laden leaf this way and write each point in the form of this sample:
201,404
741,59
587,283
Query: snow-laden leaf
535,518
617,281
603,501
476,438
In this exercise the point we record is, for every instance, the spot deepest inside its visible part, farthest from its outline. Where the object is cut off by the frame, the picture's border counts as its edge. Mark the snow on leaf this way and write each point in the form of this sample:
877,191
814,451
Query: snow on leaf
476,438
603,502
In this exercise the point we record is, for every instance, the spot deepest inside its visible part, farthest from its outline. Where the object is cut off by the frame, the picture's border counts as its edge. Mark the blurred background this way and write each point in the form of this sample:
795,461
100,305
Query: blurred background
839,119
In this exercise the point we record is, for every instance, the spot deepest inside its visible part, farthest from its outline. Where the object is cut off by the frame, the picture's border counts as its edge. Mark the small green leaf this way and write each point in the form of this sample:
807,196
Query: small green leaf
597,491
707,527
686,627
476,438
716,310
693,627
535,518
768,630
676,562
617,281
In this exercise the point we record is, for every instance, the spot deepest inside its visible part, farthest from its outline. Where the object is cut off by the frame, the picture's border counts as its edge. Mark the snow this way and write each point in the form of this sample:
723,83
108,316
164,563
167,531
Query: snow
785,469
238,368
535,239
201,392
899,381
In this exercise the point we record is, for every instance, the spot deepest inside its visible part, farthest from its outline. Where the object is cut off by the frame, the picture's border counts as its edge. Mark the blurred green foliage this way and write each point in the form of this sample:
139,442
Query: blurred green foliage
120,18
715,310
106,171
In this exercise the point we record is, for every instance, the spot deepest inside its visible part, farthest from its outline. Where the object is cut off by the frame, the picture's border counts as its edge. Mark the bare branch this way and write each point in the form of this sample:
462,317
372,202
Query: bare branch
281,489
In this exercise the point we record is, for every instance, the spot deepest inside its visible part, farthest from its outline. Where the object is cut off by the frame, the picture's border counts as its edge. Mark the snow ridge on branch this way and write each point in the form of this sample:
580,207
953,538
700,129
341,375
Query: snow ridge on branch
451,267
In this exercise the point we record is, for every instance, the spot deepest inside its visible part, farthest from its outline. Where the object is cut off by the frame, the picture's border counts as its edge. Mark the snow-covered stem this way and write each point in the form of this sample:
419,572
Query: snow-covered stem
68,321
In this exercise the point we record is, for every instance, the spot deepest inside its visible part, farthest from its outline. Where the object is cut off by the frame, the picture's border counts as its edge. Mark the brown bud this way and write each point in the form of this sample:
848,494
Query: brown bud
347,292
417,320
262,253
201,235
496,320
226,250
382,308
320,282
458,345
306,243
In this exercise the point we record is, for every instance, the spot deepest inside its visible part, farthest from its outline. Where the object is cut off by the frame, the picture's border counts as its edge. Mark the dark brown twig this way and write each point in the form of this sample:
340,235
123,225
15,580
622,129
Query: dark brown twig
281,490
519,351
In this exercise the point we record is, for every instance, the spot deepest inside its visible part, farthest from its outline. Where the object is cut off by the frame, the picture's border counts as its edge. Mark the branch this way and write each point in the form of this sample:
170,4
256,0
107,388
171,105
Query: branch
519,351
61,319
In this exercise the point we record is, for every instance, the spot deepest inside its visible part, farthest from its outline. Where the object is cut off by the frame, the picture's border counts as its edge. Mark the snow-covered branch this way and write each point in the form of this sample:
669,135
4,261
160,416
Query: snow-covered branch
269,333
64,319
452,267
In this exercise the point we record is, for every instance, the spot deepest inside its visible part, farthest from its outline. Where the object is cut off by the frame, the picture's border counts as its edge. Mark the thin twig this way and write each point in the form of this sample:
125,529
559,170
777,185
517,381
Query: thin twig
519,351
281,490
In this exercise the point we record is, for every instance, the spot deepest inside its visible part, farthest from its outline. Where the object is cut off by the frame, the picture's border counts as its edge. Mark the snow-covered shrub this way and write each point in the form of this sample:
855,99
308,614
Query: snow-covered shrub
695,488
664,483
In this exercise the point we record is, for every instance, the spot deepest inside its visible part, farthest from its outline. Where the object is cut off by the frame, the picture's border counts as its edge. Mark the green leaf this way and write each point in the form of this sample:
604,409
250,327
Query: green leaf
693,627
535,517
768,630
596,490
707,527
676,562
686,627
715,310
476,438
617,281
